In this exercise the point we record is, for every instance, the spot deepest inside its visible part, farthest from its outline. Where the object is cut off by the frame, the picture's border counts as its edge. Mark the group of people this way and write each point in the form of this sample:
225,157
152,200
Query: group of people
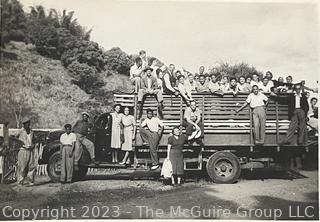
151,80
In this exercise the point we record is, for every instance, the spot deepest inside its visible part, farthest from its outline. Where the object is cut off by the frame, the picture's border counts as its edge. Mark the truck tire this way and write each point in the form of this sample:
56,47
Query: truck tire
54,167
223,167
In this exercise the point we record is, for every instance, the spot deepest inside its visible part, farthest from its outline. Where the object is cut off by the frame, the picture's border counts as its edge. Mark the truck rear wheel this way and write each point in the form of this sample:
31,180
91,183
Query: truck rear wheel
223,167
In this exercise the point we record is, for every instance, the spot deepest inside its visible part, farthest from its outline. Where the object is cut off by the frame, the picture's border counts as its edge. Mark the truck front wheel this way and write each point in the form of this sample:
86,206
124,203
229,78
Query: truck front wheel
223,167
54,169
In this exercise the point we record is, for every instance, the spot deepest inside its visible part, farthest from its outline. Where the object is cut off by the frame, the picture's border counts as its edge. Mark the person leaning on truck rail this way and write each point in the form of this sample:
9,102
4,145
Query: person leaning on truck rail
26,168
81,128
152,135
257,102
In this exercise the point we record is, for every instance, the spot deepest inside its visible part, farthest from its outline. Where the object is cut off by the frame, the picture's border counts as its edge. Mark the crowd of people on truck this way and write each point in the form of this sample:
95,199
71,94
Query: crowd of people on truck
150,80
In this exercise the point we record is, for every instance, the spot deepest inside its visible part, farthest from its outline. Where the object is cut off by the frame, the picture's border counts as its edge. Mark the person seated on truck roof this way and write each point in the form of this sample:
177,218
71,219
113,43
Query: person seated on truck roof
265,85
298,109
313,117
202,85
159,75
255,79
248,80
193,123
185,92
169,81
244,87
257,102
196,77
201,70
136,72
152,135
214,86
232,87
190,83
149,87
81,128
154,66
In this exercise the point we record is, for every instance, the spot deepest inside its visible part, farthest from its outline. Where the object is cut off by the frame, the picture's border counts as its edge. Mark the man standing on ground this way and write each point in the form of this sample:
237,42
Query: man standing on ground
26,162
81,129
257,102
152,135
67,140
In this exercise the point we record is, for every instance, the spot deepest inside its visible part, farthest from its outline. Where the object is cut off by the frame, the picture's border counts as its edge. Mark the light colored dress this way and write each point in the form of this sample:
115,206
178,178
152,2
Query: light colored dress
116,130
128,123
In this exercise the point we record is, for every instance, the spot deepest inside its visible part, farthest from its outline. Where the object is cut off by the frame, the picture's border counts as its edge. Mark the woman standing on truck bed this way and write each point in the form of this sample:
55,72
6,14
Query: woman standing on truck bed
128,122
116,131
175,146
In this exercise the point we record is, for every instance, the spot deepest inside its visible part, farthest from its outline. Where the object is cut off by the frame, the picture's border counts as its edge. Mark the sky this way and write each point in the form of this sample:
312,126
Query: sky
271,35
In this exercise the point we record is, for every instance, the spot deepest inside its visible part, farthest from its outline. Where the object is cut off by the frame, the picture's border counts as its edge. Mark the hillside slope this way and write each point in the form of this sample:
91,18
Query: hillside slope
46,90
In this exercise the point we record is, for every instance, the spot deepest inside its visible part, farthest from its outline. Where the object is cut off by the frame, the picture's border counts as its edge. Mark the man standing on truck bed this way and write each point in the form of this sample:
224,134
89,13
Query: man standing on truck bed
152,135
257,101
298,108
81,129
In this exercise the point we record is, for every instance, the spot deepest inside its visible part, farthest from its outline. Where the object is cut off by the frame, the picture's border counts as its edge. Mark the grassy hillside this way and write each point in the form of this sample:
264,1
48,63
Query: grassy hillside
46,91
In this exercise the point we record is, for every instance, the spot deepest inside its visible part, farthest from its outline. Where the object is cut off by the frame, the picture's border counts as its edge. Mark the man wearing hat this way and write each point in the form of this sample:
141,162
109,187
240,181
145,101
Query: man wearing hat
26,164
81,128
149,86
67,140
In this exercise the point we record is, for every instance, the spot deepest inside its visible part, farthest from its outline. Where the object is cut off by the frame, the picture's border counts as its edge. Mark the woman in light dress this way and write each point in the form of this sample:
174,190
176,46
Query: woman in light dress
129,128
116,132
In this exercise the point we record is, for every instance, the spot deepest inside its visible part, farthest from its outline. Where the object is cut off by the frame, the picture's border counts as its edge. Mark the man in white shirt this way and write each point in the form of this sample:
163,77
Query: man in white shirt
152,135
257,102
136,73
26,167
67,140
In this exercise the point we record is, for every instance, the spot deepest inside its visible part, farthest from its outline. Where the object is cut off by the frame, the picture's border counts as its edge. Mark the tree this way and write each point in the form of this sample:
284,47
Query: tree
13,22
117,60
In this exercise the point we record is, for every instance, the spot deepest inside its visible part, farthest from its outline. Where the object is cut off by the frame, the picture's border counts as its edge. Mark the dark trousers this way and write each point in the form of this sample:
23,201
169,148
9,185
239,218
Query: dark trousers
190,128
298,121
66,164
152,138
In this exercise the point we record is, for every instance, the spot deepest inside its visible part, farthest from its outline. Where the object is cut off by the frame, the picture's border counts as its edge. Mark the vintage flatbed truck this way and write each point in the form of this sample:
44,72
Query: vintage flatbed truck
228,138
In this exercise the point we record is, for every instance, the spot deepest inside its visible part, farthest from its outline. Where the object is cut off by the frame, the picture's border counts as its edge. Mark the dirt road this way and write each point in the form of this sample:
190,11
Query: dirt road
278,195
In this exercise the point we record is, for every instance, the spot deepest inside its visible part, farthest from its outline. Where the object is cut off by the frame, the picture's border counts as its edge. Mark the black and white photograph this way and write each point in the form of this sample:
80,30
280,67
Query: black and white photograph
158,109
